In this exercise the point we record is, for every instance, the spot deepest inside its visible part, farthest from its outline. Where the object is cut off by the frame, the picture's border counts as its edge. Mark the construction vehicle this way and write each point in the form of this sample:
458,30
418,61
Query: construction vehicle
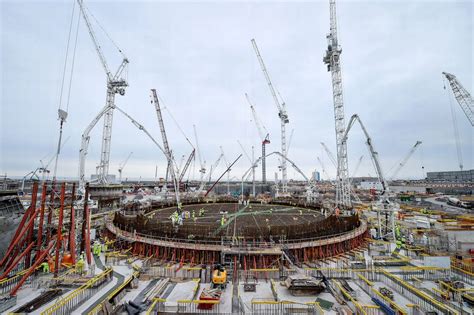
219,277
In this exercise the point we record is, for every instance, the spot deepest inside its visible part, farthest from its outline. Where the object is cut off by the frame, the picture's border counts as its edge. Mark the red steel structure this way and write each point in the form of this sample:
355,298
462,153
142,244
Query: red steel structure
33,238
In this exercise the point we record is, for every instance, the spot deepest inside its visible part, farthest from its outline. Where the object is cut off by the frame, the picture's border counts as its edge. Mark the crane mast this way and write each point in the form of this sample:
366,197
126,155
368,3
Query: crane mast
169,156
462,96
265,139
115,85
282,114
332,59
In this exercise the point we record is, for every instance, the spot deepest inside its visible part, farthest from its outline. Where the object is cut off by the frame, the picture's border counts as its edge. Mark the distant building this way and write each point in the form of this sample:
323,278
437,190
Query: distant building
451,176
316,176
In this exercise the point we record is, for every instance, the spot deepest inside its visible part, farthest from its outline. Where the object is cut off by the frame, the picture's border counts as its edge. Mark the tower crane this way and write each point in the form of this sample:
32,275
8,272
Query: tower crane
311,188
169,155
333,59
462,96
116,84
202,163
214,166
265,139
252,162
405,159
121,166
385,209
282,114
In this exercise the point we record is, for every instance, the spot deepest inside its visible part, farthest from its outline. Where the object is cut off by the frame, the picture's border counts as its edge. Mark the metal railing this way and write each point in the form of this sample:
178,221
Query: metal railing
426,302
115,296
67,304
269,307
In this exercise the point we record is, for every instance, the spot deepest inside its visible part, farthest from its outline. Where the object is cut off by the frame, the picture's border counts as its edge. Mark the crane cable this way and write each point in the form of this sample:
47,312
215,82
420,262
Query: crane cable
174,120
105,32
67,55
73,61
455,126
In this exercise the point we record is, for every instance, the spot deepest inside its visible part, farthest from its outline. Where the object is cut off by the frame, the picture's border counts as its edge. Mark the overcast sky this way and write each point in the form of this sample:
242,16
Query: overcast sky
199,57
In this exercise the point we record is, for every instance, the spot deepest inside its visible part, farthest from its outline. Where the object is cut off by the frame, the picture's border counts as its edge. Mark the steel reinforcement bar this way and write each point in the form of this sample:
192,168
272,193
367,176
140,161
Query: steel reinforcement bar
185,244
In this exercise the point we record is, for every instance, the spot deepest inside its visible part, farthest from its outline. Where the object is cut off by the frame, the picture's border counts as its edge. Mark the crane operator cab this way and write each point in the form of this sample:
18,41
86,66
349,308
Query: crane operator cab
219,277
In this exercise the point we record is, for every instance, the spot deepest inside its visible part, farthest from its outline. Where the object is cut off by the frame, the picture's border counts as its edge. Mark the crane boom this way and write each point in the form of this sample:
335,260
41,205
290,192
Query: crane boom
405,159
260,127
329,153
282,114
186,166
121,166
169,156
356,168
463,97
332,59
97,47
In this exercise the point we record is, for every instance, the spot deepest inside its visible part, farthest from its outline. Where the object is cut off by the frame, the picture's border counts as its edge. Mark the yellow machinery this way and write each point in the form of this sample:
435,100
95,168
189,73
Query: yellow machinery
219,277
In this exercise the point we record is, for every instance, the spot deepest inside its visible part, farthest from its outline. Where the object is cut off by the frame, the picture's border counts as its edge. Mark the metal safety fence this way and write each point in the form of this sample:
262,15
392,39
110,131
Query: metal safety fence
268,307
174,271
425,301
67,304
115,296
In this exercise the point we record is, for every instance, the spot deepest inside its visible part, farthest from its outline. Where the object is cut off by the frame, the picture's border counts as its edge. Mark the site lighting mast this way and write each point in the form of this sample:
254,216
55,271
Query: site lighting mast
116,84
265,138
333,61
282,114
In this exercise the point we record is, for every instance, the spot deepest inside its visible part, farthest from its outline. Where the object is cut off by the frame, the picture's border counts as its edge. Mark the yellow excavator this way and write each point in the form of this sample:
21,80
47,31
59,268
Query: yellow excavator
219,277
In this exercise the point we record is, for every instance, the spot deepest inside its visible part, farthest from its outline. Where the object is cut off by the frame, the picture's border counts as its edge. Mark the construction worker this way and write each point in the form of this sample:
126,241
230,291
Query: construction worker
80,264
201,212
424,239
222,220
94,248
399,245
404,243
194,215
397,232
45,267
373,233
337,212
411,239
